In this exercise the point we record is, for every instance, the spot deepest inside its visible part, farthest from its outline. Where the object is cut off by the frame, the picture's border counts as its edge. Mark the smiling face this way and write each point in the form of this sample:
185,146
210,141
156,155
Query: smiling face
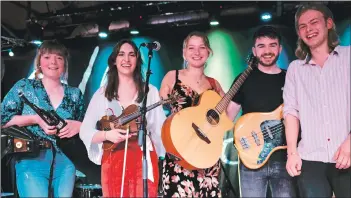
195,52
52,65
126,60
313,28
267,50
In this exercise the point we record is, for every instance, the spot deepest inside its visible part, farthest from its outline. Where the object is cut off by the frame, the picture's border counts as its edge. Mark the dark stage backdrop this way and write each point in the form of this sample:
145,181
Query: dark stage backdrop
88,63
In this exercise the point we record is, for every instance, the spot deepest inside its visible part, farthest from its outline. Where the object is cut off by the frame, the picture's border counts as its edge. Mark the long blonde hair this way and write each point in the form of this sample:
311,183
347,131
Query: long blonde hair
302,49
51,47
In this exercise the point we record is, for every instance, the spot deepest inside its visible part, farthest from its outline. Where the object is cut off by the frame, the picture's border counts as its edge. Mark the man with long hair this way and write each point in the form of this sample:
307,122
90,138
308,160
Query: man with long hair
317,97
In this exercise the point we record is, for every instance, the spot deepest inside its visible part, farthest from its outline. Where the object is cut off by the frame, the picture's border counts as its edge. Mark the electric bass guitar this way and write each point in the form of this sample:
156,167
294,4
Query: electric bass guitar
127,120
258,135
193,136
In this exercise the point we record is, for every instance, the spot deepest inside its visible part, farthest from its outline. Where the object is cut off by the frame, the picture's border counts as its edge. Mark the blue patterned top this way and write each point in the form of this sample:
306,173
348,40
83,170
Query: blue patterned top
71,107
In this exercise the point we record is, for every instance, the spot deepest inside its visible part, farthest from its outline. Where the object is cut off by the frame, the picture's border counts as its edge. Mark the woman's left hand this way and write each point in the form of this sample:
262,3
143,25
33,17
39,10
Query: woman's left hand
71,129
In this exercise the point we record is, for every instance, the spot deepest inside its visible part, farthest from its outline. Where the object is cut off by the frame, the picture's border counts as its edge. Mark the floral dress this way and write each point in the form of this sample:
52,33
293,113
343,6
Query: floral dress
178,181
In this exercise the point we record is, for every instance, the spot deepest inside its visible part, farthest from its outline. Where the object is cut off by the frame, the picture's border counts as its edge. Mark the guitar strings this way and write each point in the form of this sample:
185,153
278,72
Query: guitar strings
220,105
117,121
241,79
265,135
274,130
250,137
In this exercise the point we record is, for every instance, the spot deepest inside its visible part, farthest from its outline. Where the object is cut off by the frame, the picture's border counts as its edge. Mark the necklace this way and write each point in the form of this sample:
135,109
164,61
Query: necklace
199,80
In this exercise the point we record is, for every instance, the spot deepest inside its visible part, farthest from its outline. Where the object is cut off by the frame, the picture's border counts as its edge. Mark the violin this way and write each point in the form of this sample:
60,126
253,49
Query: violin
129,119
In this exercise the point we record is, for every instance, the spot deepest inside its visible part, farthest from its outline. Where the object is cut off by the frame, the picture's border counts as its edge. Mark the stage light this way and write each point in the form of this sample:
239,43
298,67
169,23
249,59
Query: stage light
11,53
102,34
134,32
213,18
36,42
103,29
266,17
214,23
34,32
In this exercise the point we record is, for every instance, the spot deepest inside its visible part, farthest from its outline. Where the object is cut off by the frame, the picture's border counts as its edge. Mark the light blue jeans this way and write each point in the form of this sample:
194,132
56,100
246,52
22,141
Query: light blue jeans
32,175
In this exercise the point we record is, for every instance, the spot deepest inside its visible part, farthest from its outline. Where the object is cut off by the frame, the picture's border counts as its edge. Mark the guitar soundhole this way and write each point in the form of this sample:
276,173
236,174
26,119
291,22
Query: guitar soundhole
212,117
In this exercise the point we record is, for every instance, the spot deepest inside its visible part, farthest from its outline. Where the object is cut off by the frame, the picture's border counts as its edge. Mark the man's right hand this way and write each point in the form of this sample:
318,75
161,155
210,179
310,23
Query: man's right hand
293,165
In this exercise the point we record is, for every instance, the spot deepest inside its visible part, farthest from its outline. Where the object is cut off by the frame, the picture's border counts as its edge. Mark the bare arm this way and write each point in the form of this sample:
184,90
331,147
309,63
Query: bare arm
167,84
99,137
27,120
233,109
292,126
22,120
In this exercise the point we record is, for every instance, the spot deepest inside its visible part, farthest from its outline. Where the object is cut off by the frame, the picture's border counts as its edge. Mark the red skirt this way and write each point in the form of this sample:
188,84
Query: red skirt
112,172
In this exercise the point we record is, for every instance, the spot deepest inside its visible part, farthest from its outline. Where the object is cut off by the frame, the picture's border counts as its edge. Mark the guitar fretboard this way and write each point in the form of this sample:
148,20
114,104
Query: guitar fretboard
125,119
222,105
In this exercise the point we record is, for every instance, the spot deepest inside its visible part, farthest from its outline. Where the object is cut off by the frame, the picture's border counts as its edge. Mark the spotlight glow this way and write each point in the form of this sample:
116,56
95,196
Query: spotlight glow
266,17
37,42
134,32
214,23
102,34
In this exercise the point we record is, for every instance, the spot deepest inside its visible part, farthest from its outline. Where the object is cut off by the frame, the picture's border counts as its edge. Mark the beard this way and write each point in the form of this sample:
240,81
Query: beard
268,64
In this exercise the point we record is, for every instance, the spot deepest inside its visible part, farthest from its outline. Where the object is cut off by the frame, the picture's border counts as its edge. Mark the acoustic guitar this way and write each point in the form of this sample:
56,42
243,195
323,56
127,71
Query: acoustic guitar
127,120
193,136
258,135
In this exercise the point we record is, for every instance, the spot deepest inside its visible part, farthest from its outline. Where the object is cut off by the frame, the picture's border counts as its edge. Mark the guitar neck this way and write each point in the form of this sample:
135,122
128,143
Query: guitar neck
125,119
222,105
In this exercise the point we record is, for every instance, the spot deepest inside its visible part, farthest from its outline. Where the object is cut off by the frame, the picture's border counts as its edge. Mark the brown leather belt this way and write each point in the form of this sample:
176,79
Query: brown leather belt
21,145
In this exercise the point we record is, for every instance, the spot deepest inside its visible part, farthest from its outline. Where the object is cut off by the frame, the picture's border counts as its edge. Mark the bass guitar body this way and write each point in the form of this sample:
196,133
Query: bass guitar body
258,135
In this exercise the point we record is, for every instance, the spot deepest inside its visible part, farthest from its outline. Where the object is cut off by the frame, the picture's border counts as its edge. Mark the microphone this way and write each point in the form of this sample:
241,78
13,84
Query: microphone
152,46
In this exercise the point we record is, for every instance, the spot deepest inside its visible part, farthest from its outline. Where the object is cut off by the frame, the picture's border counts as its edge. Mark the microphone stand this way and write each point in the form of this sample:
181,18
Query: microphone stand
142,132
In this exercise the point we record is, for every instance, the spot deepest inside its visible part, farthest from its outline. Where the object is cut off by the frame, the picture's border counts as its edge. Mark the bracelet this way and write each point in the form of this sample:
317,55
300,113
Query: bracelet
292,153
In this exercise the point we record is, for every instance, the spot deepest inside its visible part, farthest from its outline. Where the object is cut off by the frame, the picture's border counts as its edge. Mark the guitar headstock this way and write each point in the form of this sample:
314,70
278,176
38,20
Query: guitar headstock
252,60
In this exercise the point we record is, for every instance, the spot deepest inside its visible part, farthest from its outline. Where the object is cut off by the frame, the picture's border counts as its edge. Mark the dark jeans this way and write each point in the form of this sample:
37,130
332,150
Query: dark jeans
254,182
320,179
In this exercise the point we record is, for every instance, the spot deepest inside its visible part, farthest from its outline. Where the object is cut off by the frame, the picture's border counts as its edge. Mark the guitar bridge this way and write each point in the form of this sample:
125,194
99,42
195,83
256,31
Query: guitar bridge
201,134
